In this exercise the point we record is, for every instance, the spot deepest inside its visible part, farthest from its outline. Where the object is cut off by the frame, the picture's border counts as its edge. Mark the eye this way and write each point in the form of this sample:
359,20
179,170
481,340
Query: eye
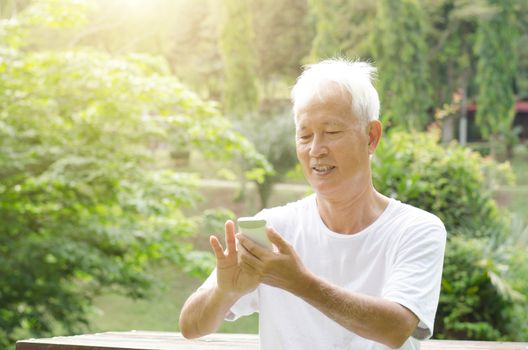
335,132
304,137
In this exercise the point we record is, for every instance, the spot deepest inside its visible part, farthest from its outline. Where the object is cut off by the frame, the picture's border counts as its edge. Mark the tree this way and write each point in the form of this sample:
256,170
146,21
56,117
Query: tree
273,135
401,56
452,59
240,90
522,47
236,43
282,39
85,204
343,28
193,50
496,49
283,36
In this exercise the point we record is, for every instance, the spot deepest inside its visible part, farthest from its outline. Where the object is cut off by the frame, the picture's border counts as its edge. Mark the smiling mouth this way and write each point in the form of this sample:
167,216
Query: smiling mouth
323,169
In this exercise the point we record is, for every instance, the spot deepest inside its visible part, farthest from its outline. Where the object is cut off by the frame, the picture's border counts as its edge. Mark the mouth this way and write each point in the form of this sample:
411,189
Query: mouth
323,169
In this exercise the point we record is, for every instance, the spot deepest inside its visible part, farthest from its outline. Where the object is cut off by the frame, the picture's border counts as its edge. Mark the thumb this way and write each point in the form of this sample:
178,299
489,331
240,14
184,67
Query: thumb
277,240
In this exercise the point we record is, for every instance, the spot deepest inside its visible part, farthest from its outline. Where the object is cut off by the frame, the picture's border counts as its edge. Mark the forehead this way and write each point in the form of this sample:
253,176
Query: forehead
328,109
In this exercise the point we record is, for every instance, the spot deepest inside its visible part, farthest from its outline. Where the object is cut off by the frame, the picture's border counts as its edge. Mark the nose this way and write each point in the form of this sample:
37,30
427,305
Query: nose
318,147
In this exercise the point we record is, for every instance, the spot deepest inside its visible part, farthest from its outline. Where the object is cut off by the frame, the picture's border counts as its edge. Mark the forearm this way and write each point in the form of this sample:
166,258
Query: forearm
370,317
204,312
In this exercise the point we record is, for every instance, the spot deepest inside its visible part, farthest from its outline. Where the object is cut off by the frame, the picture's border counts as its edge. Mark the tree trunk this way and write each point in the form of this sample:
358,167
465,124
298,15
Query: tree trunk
264,191
448,129
462,130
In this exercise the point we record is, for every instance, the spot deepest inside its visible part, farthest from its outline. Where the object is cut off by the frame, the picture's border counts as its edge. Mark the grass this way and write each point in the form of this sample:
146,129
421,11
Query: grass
159,312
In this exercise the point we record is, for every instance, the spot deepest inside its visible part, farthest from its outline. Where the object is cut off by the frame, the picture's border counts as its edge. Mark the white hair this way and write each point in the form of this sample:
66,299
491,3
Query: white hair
353,77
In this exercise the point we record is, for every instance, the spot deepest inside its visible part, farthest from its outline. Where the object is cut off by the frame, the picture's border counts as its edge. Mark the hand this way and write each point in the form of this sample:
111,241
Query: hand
231,278
281,268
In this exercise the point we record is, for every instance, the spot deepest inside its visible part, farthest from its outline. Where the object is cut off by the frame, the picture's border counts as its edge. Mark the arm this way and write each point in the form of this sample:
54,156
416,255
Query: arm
370,317
205,310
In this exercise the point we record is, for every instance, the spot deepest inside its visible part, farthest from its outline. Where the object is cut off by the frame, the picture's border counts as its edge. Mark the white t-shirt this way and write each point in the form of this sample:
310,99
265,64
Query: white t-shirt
399,257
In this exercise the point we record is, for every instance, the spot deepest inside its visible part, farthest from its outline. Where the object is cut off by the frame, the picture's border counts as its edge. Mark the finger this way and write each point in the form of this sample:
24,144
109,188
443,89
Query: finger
277,240
245,257
230,236
246,263
217,247
254,248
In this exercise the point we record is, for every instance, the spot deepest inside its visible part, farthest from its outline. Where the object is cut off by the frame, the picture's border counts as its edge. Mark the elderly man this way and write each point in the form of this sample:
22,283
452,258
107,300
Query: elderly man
351,268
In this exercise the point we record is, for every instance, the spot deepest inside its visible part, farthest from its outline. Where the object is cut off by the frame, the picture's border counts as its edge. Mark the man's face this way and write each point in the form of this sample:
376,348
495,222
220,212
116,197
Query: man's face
333,146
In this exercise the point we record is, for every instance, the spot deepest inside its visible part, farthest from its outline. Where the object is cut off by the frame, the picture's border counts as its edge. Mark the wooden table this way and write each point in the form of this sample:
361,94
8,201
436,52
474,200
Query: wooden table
164,341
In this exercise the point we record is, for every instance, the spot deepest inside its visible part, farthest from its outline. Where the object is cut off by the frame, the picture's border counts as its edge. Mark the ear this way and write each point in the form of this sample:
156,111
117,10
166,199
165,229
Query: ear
374,135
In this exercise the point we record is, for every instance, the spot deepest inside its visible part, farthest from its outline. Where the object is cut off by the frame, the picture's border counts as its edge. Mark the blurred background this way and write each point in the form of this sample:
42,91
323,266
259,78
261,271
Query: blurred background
130,130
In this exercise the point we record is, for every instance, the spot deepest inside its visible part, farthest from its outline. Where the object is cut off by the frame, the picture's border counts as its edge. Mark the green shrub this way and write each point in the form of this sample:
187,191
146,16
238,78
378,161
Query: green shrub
482,289
449,181
472,305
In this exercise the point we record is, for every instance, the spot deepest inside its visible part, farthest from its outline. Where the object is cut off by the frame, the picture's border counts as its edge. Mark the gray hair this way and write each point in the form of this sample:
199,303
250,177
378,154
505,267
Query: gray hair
353,77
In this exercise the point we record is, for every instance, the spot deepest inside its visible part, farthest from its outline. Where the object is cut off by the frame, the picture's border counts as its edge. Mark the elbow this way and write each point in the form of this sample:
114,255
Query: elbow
402,330
187,331
187,335
400,335
187,327
396,342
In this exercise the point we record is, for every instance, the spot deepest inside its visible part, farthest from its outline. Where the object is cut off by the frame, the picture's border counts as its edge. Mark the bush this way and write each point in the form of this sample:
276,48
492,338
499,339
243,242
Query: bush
472,305
447,181
481,295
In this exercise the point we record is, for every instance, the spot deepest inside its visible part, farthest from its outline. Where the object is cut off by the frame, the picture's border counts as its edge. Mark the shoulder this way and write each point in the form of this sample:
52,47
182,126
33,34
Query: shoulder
417,222
418,216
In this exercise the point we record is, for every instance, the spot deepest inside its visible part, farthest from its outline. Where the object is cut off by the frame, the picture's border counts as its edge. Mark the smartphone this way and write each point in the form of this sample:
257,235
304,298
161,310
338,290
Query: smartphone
255,229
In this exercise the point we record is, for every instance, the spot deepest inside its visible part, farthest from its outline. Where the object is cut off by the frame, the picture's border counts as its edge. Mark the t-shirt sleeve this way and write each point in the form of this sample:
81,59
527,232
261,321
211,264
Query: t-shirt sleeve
414,279
244,306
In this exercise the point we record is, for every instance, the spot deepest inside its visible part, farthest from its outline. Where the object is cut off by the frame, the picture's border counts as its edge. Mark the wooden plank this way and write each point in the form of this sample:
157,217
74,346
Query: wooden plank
146,340
471,345
141,340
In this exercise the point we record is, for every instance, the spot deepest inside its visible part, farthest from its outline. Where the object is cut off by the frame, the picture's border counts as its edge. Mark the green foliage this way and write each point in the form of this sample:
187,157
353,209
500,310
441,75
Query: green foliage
342,28
484,286
272,133
451,39
517,275
401,56
240,94
192,45
471,305
481,297
521,78
85,206
449,181
282,37
496,66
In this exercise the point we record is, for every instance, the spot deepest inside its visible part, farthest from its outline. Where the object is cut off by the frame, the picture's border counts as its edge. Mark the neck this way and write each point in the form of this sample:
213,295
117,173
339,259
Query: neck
350,215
